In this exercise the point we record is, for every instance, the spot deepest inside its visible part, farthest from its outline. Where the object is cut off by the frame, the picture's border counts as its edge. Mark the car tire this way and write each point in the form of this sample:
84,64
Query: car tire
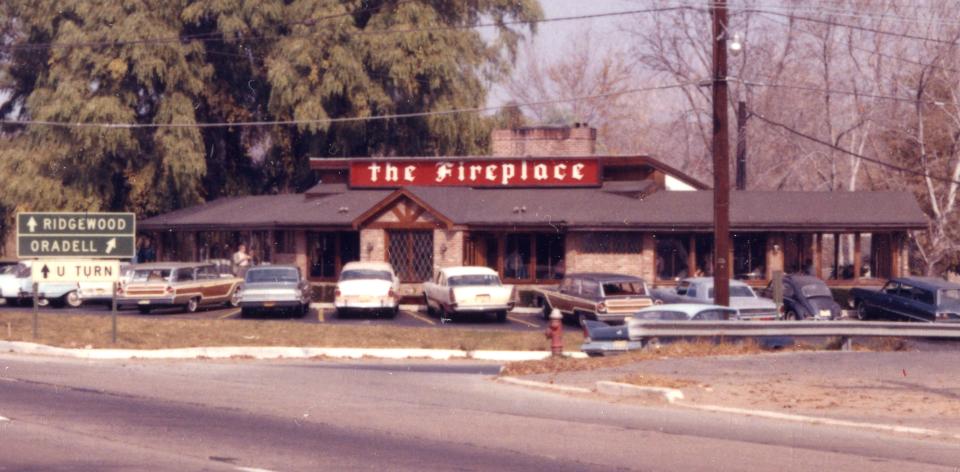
144,310
246,313
594,354
791,315
501,317
72,299
545,307
394,312
426,302
192,305
234,300
304,310
581,317
444,315
862,313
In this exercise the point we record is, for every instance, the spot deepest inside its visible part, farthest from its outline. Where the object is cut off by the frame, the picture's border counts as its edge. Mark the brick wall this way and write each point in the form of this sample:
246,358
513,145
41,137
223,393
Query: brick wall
582,254
372,245
545,141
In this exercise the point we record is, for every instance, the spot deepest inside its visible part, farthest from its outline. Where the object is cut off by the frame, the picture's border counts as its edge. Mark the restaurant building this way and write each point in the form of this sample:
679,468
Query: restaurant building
542,205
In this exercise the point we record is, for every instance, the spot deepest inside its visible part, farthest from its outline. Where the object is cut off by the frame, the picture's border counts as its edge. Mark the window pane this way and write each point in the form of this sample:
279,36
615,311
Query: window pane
749,256
349,247
672,252
550,251
704,254
411,254
323,257
517,263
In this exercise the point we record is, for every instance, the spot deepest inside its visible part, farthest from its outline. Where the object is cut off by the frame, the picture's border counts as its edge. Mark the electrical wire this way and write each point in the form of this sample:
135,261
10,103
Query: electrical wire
811,88
888,165
854,27
64,124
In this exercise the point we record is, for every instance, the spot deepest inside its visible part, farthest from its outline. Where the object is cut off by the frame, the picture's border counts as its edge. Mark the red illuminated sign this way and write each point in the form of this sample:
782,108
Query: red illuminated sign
513,172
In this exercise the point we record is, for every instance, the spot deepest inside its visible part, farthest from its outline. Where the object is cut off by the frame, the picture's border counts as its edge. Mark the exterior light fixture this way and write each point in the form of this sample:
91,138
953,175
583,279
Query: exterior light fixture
736,45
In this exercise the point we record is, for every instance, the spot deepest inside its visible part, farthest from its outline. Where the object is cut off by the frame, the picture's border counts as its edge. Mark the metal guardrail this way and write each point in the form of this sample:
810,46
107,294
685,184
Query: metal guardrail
640,330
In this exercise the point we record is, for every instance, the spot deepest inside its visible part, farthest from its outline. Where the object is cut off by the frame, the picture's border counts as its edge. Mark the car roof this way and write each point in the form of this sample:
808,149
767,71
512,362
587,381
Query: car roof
467,270
373,265
708,281
801,279
273,266
929,283
688,308
604,276
168,265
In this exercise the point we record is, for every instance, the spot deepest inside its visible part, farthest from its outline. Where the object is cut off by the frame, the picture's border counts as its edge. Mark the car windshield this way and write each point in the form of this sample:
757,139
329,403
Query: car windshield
271,275
737,291
473,279
623,288
713,315
366,274
815,290
150,275
948,296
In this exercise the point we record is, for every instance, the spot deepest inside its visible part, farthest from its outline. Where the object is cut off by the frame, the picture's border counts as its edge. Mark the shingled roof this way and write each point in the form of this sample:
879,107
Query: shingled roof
612,206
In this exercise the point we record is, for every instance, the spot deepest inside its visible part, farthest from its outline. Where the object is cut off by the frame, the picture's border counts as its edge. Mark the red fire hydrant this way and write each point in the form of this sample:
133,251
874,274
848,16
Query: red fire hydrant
555,333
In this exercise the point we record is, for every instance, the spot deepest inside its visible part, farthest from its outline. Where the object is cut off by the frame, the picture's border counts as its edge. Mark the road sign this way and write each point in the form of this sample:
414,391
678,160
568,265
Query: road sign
76,270
87,235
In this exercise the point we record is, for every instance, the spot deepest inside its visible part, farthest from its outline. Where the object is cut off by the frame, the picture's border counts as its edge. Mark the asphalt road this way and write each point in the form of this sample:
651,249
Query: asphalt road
205,415
516,321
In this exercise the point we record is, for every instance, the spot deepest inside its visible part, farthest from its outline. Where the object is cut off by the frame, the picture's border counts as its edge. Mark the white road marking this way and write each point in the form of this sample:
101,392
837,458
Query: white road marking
4,418
517,320
228,315
421,317
252,469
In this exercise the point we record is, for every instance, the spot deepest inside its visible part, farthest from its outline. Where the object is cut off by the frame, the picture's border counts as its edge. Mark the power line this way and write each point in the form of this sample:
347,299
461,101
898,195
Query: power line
863,49
855,27
888,165
353,119
36,46
810,88
819,9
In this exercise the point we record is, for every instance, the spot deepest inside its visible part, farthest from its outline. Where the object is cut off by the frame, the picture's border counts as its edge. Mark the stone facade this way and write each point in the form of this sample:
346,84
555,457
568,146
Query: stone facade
580,140
634,257
372,245
447,248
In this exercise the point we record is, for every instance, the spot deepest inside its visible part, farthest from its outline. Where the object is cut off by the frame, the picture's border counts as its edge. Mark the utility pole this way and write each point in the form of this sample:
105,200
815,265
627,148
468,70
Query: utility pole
721,157
741,145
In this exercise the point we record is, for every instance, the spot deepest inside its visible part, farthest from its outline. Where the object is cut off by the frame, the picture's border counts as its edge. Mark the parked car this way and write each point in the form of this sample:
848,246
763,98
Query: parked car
461,290
909,298
187,285
274,288
16,287
371,287
601,338
806,297
100,292
596,296
700,290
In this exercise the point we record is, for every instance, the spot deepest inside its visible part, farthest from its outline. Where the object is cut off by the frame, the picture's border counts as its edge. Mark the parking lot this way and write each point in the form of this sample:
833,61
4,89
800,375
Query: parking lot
410,316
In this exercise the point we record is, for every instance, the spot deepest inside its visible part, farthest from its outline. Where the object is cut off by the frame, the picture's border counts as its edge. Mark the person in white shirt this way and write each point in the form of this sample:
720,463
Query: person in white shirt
241,260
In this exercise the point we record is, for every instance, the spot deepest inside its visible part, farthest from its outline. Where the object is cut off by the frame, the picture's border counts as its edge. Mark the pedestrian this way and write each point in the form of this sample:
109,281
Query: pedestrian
241,260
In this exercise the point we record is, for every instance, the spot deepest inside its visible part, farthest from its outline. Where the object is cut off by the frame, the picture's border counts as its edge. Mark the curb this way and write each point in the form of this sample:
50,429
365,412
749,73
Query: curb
669,395
821,420
227,352
544,385
673,396
329,306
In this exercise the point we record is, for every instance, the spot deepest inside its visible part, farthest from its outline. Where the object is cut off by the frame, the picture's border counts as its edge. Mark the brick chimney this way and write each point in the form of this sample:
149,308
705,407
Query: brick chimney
539,141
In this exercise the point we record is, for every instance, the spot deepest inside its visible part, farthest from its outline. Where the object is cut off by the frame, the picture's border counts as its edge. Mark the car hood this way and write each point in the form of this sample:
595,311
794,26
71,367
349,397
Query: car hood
749,302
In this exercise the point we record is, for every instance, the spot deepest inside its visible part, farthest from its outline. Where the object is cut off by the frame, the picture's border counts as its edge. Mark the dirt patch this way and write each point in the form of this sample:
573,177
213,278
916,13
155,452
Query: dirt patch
77,331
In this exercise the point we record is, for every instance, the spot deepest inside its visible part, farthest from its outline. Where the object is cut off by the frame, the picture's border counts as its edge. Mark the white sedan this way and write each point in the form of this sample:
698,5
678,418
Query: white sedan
367,287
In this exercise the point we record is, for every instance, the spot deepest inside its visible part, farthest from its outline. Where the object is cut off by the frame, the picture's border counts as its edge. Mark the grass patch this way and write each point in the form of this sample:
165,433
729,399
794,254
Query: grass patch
78,331
677,349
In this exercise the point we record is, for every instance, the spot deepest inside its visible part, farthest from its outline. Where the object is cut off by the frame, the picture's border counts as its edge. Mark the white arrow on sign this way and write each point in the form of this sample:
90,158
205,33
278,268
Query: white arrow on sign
32,224
111,245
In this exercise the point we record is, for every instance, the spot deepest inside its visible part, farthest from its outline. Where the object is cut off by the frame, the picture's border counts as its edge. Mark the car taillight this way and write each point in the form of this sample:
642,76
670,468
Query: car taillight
602,307
336,292
119,289
391,293
169,289
586,332
453,298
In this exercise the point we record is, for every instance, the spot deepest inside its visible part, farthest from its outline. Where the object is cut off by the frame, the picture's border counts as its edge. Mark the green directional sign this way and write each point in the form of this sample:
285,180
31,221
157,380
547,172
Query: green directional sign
87,235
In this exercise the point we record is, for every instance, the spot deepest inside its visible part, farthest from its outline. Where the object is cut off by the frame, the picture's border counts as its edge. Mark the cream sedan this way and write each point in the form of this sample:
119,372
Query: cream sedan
367,287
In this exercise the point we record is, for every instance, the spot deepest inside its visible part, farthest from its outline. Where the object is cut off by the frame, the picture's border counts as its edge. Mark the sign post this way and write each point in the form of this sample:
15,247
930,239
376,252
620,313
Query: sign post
76,247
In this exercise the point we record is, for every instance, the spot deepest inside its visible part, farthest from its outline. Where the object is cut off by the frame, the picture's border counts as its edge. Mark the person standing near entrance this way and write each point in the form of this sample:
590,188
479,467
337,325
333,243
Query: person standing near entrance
241,260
